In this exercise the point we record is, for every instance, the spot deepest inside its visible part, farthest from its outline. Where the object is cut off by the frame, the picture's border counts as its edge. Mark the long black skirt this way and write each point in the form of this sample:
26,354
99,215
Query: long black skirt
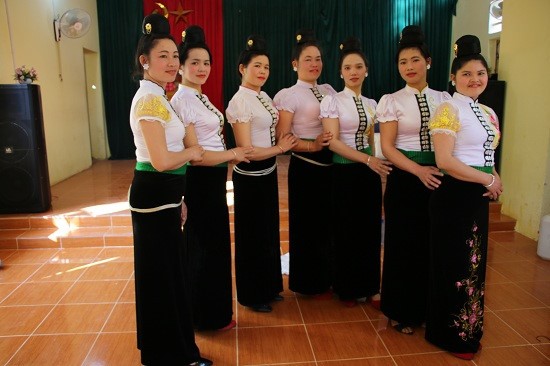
459,217
356,215
208,244
257,241
406,242
309,242
165,333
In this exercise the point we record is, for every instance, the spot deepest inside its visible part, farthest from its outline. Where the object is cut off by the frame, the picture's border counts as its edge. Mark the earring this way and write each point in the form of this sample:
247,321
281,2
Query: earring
366,74
294,69
341,76
146,66
180,71
428,67
453,83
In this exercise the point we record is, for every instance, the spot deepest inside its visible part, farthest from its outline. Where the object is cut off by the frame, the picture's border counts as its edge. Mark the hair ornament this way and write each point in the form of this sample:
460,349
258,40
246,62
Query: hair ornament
298,38
183,33
148,28
250,43
455,48
341,46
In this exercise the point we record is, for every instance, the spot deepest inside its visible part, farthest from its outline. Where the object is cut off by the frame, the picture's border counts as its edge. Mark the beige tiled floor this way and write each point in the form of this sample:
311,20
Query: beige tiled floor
75,306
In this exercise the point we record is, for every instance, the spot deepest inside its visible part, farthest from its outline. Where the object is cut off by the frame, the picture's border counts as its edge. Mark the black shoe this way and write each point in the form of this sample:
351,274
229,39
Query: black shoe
261,308
278,298
202,362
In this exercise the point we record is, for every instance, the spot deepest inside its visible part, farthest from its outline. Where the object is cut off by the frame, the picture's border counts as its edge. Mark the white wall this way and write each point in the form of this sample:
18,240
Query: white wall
27,37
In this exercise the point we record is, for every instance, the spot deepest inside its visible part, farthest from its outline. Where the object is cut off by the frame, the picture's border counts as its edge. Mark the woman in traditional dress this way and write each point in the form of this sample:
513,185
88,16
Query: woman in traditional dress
308,171
163,313
356,206
257,243
465,135
207,234
405,141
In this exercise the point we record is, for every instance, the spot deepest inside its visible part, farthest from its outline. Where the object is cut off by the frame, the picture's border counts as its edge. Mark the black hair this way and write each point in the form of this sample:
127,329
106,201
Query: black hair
255,46
413,37
154,27
350,46
467,48
303,39
192,37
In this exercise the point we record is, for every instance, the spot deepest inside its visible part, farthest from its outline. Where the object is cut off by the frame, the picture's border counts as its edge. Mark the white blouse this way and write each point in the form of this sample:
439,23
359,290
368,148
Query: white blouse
356,116
412,115
303,101
150,104
247,106
474,126
195,108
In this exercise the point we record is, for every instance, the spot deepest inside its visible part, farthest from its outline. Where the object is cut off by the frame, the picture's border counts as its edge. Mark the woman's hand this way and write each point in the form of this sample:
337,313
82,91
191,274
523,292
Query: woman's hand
320,141
382,167
196,152
242,154
287,142
494,187
428,175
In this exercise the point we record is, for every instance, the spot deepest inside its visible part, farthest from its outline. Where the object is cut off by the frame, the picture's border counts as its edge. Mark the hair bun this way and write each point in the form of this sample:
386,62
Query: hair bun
467,45
411,35
255,42
193,35
305,35
155,23
351,44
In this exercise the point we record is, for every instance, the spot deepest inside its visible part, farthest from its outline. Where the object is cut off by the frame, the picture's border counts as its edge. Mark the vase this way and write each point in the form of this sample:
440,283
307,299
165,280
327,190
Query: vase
26,81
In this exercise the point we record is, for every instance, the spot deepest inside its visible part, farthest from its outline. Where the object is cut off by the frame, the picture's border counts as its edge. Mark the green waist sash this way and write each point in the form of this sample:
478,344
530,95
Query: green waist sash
147,167
420,157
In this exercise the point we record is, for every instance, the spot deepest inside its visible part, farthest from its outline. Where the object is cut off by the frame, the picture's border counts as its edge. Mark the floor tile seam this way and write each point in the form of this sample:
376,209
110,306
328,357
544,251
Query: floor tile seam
305,329
501,318
500,273
18,349
524,293
376,331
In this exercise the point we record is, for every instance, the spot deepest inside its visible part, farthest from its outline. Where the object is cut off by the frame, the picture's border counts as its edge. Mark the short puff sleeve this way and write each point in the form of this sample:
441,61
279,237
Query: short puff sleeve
329,107
285,100
238,110
385,110
445,120
152,107
186,112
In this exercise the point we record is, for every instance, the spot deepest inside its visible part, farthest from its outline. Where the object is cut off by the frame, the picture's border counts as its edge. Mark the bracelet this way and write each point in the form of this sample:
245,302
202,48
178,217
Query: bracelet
492,181
308,146
368,161
282,151
234,153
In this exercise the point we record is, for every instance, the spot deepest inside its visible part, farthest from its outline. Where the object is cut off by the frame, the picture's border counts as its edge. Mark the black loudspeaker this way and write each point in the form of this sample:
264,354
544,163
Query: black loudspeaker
24,178
493,96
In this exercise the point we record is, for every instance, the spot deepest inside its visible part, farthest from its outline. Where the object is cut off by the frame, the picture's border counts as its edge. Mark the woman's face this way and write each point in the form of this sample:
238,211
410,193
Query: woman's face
163,61
412,67
255,74
471,79
309,64
353,70
196,68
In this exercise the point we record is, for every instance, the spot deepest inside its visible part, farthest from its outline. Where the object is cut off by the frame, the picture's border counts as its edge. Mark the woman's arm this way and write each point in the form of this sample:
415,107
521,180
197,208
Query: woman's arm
243,138
211,158
332,125
427,174
444,145
162,159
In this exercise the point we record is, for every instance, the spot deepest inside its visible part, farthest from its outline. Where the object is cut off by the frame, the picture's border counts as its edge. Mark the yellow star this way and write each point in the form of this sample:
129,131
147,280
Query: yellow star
180,13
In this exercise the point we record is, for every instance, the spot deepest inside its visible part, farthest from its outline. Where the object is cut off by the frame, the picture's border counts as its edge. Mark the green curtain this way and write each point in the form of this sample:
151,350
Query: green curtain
377,23
119,25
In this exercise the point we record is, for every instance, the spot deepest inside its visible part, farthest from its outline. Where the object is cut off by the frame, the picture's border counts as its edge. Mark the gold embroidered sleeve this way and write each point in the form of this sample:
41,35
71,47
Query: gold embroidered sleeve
152,107
445,120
